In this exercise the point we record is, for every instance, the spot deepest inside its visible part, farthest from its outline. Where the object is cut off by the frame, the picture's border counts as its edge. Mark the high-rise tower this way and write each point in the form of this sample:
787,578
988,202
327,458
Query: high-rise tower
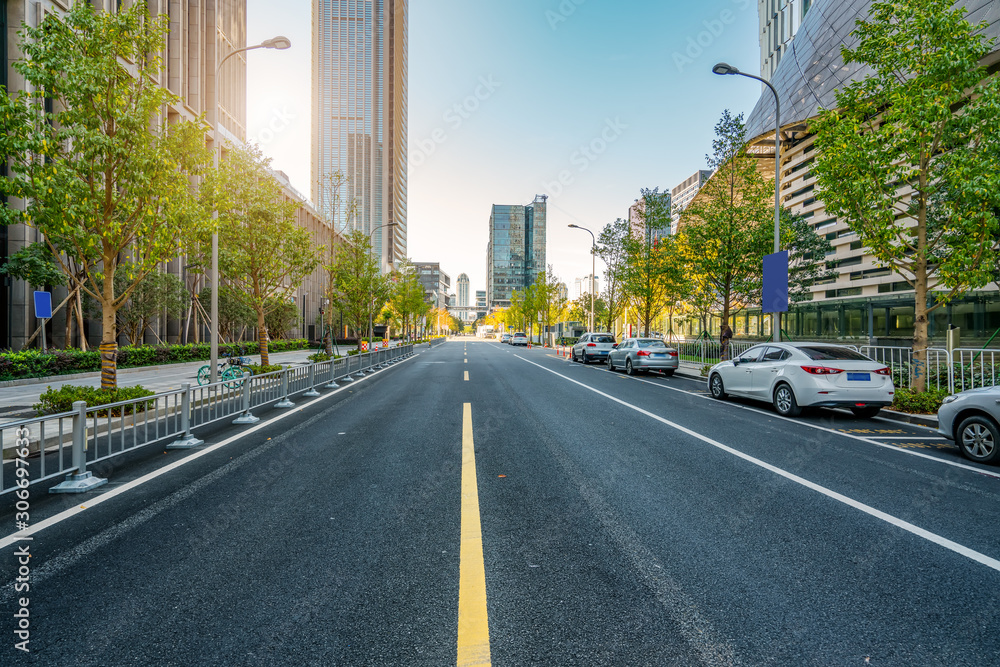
359,118
515,254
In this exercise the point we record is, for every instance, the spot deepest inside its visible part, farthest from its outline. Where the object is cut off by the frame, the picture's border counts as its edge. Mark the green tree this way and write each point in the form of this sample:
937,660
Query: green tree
155,295
648,274
726,231
407,300
282,317
264,254
551,307
613,248
105,177
909,158
578,310
235,316
360,290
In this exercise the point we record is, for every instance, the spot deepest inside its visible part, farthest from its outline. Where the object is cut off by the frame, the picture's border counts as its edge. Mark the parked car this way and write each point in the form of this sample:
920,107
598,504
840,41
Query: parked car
641,355
796,375
519,339
593,347
972,419
505,338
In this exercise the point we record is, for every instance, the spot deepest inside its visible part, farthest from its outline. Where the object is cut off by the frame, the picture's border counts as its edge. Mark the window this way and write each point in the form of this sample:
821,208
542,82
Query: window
775,354
650,342
602,339
751,355
832,352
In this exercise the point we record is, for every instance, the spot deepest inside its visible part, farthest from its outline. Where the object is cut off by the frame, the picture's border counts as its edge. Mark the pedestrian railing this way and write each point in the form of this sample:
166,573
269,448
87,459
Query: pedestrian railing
66,444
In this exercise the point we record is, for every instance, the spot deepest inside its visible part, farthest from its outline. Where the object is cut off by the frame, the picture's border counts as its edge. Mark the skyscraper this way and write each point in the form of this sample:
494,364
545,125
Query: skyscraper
359,117
515,254
463,290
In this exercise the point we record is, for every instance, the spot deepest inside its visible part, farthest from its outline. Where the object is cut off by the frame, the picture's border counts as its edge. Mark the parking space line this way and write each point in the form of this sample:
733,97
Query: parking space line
971,554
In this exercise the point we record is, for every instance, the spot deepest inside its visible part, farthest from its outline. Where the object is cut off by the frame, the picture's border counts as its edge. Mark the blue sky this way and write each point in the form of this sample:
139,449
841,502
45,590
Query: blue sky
586,101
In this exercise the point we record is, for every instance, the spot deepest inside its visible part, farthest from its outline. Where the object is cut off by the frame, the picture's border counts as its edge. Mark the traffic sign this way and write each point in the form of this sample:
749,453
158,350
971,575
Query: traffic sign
43,304
364,346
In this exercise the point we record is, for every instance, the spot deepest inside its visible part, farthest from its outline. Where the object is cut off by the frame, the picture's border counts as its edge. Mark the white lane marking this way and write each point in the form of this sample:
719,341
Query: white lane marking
13,538
870,441
829,493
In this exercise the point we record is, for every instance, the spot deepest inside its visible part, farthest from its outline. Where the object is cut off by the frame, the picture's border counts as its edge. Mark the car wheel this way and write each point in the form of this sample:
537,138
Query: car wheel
866,413
583,358
668,372
784,401
716,387
979,439
611,364
628,367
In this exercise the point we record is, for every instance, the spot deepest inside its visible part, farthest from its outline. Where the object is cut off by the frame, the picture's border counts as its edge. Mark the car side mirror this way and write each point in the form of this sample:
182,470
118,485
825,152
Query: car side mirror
615,346
736,362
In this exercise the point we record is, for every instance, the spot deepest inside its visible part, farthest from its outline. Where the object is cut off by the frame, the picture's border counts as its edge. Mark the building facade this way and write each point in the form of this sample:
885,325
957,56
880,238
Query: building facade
682,194
436,283
463,290
637,220
481,308
515,254
359,100
582,286
864,301
779,21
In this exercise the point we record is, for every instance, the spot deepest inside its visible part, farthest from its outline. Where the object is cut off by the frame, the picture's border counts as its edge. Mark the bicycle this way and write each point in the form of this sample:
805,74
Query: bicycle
230,371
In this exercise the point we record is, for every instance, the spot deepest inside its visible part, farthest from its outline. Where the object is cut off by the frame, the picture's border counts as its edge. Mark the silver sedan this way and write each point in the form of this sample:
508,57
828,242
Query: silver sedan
641,355
972,419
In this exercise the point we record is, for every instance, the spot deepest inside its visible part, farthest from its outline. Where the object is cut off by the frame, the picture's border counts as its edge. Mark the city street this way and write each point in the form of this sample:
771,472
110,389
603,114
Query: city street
622,521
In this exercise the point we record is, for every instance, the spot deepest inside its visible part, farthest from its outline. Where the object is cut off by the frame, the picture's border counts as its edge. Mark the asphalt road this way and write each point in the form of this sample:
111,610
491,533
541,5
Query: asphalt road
624,521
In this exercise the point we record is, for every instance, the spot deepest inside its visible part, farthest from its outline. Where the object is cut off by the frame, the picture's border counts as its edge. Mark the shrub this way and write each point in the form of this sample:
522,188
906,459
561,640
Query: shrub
318,357
568,340
62,399
259,369
927,402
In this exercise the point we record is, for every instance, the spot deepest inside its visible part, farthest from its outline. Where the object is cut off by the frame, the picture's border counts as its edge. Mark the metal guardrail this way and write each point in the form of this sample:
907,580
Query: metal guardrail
65,444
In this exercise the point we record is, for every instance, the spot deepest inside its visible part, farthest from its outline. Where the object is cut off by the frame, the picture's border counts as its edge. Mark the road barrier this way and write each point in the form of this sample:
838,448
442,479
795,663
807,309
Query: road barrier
66,444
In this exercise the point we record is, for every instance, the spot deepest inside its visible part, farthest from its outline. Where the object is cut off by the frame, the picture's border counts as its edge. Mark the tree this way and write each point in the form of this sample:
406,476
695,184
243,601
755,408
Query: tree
338,211
359,289
155,295
807,253
234,315
909,156
612,247
264,255
551,307
648,274
407,300
103,176
578,310
729,227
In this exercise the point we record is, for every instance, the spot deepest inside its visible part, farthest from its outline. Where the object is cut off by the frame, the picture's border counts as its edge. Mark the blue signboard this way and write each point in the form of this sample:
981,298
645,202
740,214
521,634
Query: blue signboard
43,304
775,293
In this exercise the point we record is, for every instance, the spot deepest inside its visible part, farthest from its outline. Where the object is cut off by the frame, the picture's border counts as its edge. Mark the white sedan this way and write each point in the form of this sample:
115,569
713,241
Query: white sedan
796,375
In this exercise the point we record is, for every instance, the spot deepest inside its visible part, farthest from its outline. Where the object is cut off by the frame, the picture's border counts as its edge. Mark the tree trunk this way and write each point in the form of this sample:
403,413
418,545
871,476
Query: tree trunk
109,329
79,319
265,359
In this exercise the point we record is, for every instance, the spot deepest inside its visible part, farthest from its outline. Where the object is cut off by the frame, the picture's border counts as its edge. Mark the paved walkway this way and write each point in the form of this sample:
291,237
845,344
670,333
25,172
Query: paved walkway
17,397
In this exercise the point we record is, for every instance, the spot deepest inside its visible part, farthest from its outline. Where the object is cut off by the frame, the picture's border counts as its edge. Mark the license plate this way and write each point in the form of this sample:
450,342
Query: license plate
859,376
656,356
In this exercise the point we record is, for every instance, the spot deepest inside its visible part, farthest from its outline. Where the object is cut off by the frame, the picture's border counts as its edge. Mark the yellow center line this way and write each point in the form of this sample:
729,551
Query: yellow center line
465,361
466,376
473,622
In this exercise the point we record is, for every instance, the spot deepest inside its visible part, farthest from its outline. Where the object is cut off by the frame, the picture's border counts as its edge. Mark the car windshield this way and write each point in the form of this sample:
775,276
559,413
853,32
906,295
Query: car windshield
602,339
825,353
520,334
650,342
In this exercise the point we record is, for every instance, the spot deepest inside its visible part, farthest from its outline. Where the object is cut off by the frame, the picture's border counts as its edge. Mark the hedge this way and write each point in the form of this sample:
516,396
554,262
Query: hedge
34,363
62,399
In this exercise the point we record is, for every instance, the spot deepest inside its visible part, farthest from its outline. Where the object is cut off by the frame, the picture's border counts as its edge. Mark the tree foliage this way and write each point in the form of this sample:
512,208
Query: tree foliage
910,158
102,174
613,249
360,291
652,270
156,295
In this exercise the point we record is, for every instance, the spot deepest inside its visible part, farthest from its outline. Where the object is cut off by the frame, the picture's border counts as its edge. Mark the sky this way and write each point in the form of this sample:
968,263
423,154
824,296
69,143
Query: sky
586,101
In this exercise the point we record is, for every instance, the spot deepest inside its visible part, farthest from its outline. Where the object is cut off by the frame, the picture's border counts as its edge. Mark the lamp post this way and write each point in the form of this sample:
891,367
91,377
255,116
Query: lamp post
593,260
280,43
724,69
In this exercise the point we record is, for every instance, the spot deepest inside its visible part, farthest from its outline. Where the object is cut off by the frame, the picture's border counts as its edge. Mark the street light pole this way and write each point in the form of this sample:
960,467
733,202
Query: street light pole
724,69
593,268
280,43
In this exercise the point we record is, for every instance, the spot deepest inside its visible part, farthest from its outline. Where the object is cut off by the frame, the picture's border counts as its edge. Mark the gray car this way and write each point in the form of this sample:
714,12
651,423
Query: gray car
641,355
972,420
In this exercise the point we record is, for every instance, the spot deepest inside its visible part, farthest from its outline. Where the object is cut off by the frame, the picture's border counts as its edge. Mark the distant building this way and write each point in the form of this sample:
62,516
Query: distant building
682,195
779,21
515,254
436,283
463,290
581,286
562,292
481,308
359,83
637,220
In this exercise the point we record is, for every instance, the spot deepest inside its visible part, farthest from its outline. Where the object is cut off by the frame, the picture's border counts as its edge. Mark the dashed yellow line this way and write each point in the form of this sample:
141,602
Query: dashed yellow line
473,622
466,376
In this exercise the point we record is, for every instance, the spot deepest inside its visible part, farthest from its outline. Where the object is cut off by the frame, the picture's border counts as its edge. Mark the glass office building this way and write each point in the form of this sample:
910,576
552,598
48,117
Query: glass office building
359,118
515,254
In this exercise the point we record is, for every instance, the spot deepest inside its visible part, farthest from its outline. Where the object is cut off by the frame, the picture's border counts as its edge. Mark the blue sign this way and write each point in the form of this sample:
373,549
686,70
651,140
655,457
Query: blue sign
775,293
43,304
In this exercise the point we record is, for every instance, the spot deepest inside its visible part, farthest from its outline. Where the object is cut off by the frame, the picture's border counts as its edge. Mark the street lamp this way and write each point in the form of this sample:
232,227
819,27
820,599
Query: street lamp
280,43
724,69
593,256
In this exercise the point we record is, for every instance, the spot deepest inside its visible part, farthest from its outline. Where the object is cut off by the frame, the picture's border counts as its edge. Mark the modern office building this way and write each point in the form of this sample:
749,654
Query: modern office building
581,286
515,254
359,107
436,283
681,195
463,290
779,21
481,308
865,301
